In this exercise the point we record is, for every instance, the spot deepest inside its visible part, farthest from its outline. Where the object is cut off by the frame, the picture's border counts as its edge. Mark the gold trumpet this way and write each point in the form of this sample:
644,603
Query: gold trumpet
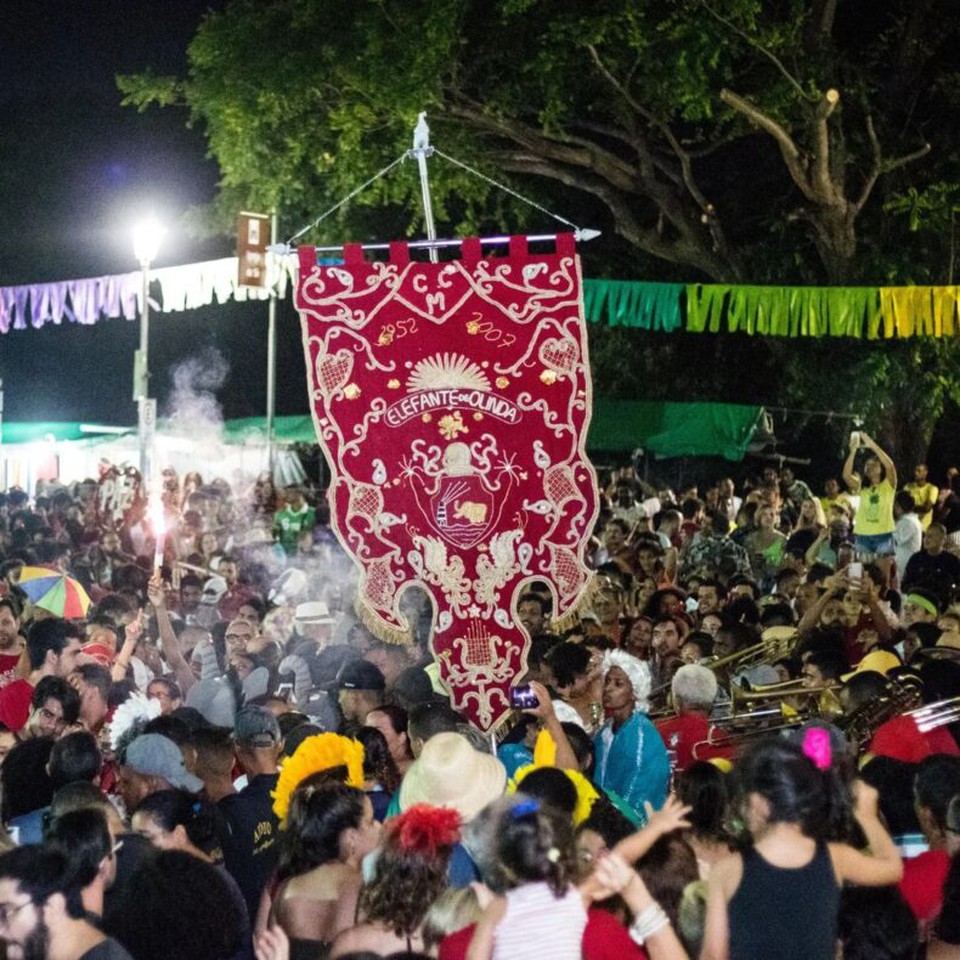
758,691
754,715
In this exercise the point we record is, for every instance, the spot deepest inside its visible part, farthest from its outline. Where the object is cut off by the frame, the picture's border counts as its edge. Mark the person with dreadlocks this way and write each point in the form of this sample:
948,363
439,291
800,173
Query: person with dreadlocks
410,873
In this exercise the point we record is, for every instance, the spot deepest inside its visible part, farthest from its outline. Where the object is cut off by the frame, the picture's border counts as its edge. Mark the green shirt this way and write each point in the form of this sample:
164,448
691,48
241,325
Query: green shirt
289,524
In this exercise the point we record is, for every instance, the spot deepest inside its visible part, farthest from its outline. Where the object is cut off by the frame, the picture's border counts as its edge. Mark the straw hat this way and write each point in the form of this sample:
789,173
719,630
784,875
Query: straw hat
450,773
313,611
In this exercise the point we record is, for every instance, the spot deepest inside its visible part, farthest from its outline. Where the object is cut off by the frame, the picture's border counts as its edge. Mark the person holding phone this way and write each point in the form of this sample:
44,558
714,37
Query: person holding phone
873,524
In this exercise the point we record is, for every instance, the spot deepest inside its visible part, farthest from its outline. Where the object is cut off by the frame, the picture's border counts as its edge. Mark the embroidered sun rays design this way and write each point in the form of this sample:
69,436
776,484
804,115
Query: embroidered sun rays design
447,371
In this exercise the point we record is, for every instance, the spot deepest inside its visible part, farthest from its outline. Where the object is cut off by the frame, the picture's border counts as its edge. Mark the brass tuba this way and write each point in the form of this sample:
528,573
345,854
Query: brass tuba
902,695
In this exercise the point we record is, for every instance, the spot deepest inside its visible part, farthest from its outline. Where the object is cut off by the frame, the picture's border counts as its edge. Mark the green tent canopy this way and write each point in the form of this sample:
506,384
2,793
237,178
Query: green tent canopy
673,429
285,430
56,430
663,429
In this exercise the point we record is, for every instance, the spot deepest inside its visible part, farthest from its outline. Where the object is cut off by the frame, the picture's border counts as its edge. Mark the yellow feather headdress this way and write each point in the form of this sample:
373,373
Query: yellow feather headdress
545,755
322,751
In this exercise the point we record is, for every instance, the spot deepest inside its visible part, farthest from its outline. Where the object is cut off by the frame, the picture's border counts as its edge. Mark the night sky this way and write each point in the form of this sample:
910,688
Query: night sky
76,171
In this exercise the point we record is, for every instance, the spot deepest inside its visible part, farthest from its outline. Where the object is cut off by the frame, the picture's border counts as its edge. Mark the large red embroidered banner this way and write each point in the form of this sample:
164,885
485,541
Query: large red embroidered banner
452,402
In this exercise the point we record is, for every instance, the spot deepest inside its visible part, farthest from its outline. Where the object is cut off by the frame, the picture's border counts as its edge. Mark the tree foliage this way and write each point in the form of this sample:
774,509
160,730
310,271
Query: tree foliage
793,141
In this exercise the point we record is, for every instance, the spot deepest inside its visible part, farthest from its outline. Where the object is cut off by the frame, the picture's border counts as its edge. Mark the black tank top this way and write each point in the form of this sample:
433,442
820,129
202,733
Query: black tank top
786,914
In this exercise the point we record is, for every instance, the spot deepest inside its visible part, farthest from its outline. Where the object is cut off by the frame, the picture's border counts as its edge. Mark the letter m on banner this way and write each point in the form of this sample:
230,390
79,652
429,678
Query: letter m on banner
452,402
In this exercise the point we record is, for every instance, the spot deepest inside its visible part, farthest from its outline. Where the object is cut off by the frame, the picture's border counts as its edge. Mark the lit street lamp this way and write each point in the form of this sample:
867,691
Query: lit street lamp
146,243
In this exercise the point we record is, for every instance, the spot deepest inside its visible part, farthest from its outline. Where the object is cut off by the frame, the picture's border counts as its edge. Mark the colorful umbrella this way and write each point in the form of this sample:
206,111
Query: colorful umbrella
54,591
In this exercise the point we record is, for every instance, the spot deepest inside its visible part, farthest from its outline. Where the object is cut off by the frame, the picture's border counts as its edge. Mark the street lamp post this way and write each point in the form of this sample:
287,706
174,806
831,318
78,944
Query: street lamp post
146,243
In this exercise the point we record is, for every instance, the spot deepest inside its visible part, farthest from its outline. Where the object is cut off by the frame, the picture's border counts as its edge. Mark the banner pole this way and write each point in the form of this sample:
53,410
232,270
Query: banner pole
421,150
272,354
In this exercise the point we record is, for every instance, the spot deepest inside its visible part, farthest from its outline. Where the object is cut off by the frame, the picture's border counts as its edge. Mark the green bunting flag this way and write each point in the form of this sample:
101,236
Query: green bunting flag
863,312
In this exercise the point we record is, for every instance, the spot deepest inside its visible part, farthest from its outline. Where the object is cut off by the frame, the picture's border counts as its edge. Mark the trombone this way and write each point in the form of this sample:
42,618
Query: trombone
764,652
818,701
724,734
940,713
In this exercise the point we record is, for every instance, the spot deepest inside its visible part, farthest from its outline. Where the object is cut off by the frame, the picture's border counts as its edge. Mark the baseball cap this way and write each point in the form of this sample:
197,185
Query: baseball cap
361,675
256,727
327,664
213,590
880,661
98,651
154,755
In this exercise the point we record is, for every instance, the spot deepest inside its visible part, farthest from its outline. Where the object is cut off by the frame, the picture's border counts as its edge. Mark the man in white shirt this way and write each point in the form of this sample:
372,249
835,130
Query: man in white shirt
908,532
730,503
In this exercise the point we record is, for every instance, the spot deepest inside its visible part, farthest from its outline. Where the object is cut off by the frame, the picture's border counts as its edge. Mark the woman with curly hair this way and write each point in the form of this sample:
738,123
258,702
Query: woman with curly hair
380,774
411,872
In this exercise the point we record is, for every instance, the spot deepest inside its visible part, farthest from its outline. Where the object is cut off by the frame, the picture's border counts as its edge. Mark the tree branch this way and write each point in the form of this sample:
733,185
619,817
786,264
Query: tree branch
758,46
697,238
880,166
682,155
876,166
821,169
585,154
792,157
789,149
635,141
898,162
653,241
614,133
822,18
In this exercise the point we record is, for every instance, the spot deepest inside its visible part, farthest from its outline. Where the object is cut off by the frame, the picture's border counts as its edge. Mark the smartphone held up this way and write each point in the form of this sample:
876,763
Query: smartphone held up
523,697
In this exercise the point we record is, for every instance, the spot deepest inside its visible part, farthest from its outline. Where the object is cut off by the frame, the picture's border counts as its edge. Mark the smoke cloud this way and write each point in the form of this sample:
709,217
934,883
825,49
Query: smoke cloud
193,403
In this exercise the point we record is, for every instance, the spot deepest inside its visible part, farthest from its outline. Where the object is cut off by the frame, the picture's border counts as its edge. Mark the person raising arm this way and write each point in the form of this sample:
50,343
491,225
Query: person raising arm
780,897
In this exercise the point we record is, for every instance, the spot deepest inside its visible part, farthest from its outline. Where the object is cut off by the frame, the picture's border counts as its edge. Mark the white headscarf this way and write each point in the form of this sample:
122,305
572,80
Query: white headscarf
638,672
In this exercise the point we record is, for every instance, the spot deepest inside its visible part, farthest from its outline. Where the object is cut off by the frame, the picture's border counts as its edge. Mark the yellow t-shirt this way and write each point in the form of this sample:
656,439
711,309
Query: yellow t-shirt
875,512
841,498
924,495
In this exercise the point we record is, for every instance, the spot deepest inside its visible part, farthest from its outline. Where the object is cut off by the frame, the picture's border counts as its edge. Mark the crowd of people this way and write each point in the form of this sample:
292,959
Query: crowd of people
744,744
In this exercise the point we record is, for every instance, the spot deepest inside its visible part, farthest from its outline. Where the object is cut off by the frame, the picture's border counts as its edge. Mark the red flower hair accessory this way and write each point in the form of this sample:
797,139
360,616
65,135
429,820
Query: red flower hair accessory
424,829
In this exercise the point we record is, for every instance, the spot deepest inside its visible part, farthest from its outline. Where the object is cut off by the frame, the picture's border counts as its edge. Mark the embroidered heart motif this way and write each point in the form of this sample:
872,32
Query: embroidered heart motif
333,371
559,355
533,269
